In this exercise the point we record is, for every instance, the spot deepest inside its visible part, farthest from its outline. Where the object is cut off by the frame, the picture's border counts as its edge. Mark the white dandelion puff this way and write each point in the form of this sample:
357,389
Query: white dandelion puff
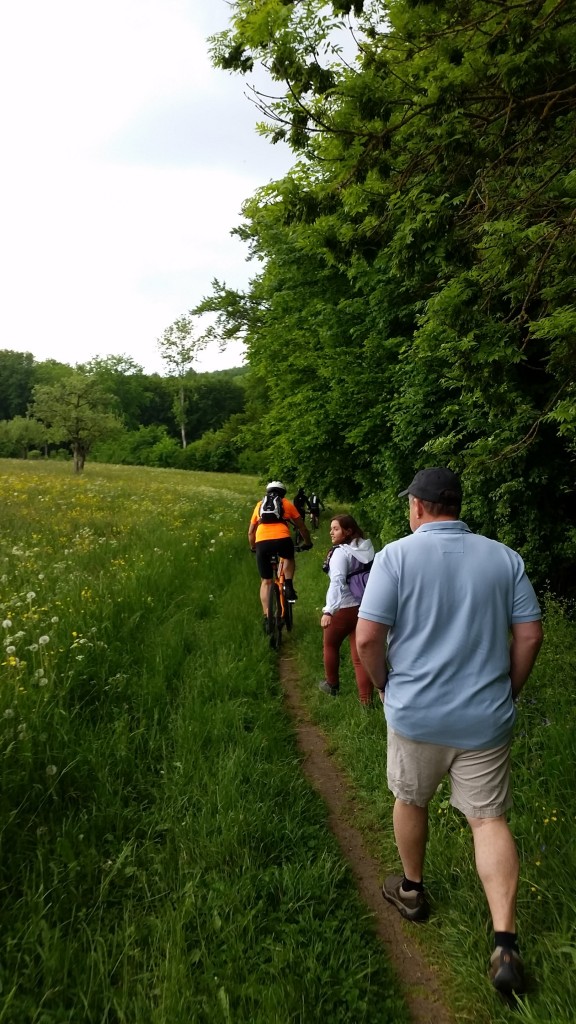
43,640
7,624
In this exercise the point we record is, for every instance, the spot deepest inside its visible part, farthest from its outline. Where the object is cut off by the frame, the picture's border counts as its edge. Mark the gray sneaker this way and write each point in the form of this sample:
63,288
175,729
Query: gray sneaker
506,972
412,905
333,691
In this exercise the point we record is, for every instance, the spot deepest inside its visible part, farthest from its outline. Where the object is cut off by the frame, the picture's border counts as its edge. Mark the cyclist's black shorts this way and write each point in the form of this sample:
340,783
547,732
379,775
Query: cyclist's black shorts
281,546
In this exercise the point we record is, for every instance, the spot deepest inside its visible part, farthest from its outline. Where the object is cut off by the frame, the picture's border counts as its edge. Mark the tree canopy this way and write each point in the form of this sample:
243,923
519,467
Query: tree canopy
414,303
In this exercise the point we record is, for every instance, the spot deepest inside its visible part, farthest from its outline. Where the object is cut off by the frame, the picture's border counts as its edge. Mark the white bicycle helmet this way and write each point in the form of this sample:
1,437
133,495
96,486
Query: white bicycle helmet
275,486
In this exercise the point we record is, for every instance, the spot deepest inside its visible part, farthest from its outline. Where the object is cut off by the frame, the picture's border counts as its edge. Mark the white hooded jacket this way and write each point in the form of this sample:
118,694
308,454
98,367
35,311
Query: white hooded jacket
339,595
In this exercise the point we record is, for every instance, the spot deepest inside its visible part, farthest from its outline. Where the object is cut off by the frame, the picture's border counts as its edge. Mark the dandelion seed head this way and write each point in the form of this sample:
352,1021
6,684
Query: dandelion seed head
30,595
7,623
9,713
51,769
43,640
11,649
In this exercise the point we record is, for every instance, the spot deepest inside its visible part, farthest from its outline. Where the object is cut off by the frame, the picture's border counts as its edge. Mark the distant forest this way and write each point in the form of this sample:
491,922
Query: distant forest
109,410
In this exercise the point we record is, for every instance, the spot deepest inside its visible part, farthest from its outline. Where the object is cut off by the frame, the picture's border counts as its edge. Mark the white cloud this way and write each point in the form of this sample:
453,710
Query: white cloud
128,161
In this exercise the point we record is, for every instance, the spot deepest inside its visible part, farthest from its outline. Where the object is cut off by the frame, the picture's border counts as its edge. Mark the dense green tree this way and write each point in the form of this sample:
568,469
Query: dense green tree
76,411
415,295
212,399
20,434
124,379
16,382
157,409
50,371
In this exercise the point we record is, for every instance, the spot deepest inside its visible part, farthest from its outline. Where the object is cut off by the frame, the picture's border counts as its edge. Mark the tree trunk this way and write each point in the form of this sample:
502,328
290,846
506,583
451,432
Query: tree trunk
79,455
182,418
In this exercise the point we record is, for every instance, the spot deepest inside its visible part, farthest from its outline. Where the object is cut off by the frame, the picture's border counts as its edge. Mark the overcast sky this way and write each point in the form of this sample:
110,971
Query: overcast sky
126,159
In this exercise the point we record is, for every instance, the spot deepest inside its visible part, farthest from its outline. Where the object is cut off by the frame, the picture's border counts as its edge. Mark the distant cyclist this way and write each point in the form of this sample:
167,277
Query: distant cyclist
301,501
269,534
315,506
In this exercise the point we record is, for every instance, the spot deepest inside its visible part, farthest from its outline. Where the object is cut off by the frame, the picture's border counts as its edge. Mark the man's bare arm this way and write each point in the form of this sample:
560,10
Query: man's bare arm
526,641
252,534
371,645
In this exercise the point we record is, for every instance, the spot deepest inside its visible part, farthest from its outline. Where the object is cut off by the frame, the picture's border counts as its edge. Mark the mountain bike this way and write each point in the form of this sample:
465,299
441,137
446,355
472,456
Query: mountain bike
280,612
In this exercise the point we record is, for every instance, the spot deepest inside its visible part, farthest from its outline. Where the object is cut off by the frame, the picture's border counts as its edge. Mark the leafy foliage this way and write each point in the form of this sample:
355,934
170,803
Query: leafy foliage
415,300
76,412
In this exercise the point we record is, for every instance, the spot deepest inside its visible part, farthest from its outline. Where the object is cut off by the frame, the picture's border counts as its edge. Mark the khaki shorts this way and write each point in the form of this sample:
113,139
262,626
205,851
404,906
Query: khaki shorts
479,779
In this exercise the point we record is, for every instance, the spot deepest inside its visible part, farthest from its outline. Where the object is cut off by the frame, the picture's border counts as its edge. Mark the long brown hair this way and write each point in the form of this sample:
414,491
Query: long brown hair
349,524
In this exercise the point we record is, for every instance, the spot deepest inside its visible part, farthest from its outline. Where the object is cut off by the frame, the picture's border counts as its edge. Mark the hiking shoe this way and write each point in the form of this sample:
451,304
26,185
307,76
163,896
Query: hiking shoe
289,591
412,905
506,971
333,691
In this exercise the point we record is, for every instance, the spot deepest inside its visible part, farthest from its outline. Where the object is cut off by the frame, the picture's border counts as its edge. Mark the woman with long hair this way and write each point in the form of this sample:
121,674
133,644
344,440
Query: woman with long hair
351,554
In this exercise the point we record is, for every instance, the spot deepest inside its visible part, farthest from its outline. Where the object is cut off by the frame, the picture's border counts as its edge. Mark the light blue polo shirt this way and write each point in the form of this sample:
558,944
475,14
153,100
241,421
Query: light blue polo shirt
449,597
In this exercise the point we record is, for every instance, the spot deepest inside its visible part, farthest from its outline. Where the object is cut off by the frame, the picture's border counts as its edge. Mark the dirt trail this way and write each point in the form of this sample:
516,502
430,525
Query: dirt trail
420,984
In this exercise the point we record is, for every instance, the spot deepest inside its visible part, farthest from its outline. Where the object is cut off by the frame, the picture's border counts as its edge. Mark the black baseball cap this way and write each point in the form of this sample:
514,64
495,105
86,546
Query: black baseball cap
437,484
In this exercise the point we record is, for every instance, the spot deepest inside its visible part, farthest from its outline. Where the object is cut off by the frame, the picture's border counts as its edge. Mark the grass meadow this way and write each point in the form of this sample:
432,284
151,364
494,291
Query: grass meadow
162,859
458,938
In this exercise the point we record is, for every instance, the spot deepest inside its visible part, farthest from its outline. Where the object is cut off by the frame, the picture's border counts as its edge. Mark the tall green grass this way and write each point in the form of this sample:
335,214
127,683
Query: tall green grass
543,820
162,859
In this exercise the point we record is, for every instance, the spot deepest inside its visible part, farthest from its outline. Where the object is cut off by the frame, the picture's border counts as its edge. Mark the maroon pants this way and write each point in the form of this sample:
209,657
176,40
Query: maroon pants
343,625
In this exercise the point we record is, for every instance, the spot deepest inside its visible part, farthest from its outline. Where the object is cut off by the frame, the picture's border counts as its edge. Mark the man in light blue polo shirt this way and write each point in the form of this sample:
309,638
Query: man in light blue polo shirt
448,630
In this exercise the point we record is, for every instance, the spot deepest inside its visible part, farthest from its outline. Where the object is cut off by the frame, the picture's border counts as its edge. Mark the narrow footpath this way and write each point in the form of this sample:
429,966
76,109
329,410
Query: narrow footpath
420,983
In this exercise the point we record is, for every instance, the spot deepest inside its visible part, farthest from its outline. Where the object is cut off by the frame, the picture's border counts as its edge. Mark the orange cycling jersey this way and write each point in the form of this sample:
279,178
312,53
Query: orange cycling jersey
275,531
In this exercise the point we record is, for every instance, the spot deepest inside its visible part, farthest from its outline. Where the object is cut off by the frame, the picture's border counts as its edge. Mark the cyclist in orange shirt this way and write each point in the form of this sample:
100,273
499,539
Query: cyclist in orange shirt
269,533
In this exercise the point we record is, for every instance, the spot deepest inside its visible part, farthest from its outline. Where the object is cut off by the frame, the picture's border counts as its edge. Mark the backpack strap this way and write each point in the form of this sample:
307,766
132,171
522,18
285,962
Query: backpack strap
363,567
326,562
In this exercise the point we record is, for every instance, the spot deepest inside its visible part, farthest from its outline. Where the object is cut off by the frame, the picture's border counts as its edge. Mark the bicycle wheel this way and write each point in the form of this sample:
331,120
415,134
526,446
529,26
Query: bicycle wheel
274,617
288,614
